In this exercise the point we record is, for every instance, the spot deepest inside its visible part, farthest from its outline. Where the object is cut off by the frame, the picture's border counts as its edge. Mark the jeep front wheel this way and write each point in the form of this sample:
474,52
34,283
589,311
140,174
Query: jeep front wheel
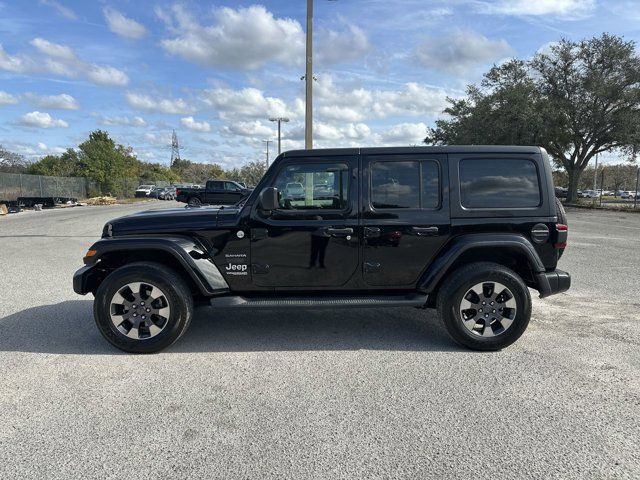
143,307
484,306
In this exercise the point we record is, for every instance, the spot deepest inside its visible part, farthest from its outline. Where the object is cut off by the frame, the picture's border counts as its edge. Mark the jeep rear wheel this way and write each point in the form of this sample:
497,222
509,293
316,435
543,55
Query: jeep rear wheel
484,306
143,307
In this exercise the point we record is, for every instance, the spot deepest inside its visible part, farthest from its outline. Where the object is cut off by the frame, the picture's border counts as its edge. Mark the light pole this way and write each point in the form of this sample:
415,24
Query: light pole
267,142
279,120
308,79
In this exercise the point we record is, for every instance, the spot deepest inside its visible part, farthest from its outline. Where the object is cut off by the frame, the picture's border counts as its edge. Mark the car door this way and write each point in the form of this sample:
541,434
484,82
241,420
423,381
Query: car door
309,241
405,216
233,193
214,192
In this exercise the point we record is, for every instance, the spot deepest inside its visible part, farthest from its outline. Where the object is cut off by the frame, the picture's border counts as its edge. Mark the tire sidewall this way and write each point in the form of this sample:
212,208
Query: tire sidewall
455,326
176,323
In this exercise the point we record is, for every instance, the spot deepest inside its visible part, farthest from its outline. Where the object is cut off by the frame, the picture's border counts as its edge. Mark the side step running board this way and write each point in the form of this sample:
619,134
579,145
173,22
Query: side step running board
407,300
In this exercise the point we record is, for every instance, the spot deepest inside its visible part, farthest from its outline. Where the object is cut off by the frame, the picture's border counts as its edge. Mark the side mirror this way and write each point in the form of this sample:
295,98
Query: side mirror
268,199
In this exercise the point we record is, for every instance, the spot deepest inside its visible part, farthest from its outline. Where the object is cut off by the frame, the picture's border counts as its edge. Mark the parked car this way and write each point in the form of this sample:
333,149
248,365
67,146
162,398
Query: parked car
144,190
561,192
588,194
465,230
166,193
293,191
216,192
625,194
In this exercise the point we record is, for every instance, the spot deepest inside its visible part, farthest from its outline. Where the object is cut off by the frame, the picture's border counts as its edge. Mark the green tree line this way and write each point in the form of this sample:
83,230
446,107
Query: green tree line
107,163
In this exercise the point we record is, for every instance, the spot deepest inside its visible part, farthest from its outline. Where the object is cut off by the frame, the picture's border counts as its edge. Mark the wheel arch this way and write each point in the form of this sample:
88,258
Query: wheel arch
510,250
182,254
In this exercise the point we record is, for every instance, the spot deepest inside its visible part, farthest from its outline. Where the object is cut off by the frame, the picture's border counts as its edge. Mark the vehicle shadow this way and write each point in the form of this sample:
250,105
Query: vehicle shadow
68,328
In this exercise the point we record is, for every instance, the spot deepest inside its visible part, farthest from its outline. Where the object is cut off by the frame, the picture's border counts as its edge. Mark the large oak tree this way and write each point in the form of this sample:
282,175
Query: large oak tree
577,99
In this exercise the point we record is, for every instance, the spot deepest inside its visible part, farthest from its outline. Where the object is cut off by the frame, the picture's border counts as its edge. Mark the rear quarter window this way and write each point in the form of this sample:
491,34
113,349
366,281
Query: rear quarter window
499,183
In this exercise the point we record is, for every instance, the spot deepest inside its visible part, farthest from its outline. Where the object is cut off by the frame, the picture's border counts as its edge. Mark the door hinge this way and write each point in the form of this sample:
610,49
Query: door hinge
259,269
371,267
259,233
371,232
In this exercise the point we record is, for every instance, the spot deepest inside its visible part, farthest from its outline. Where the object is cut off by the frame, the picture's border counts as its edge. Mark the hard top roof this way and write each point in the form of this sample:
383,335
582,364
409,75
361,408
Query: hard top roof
421,149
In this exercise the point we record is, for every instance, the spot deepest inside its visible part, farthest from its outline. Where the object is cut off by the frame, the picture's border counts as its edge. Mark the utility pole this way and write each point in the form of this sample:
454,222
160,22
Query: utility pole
308,78
279,120
635,197
267,142
175,149
595,179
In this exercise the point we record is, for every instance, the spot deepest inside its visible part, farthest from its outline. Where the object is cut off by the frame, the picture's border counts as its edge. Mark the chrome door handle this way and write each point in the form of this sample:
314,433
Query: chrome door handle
339,231
425,231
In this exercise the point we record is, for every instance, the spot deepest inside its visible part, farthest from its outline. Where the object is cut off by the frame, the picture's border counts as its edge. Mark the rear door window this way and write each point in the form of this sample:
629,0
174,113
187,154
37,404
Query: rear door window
499,183
410,184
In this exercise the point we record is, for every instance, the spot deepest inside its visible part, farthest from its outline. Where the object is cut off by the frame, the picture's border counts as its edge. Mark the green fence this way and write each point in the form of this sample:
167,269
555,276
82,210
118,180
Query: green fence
14,185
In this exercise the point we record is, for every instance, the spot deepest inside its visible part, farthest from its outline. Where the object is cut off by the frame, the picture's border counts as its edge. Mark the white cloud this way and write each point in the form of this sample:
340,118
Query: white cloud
460,51
61,60
61,9
41,120
249,129
191,124
566,9
336,47
246,103
62,101
163,105
7,98
123,26
14,63
413,99
404,133
252,37
243,38
123,120
50,150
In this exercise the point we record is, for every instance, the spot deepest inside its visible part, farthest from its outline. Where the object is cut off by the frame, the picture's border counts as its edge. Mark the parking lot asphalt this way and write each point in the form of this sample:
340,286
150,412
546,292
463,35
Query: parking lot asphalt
372,393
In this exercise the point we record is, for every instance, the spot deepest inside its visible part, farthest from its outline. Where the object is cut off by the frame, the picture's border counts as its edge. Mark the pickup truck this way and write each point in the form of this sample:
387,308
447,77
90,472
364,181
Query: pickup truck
216,192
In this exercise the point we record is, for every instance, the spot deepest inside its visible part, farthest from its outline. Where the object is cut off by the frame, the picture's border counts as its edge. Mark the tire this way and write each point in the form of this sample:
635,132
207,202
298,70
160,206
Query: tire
194,202
501,331
170,307
562,218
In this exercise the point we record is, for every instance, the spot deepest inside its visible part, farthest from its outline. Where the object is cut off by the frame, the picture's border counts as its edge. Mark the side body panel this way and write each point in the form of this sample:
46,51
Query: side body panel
398,243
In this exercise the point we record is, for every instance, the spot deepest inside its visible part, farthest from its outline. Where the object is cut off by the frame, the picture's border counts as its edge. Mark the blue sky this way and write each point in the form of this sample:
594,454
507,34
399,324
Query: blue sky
216,71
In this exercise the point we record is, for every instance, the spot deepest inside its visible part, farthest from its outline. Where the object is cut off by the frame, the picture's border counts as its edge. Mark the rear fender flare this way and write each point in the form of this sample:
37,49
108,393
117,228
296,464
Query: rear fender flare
434,274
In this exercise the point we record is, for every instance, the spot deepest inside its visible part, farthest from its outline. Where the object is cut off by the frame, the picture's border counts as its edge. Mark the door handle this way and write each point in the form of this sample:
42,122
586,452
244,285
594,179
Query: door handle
339,231
425,231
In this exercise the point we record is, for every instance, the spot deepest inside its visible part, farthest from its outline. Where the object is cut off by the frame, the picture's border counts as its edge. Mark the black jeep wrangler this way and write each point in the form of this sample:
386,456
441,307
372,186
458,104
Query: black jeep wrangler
464,229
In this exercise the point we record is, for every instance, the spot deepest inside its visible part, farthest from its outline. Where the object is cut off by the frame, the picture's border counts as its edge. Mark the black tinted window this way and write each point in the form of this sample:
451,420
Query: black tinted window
215,185
504,183
395,185
430,185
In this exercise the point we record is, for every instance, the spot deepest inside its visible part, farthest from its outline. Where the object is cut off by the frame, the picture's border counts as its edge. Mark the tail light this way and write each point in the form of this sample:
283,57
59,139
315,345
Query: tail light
177,191
561,237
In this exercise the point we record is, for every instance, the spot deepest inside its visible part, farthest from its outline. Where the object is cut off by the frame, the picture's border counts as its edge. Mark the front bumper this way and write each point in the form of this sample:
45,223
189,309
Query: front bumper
550,283
83,279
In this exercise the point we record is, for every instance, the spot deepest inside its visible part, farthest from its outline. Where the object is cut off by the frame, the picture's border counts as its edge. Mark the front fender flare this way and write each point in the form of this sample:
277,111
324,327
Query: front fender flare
188,253
459,245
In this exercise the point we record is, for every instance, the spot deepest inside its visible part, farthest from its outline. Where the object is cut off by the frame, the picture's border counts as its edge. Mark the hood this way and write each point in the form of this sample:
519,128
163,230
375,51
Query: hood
166,221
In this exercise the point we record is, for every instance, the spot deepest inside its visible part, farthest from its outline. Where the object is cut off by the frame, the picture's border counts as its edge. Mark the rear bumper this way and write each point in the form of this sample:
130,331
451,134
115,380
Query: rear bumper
550,283
82,279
